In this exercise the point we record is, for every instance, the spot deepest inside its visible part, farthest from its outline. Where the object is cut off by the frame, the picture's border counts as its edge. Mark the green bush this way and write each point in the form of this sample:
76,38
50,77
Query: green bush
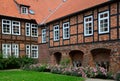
26,61
109,75
117,76
56,70
42,68
13,63
1,64
35,67
65,62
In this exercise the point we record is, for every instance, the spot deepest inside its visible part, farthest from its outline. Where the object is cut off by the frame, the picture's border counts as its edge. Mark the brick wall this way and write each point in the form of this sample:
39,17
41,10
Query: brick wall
77,27
21,39
85,44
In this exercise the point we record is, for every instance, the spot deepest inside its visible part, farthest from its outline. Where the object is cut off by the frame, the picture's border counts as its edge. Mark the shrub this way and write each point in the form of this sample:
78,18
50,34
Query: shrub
40,68
56,69
117,77
101,73
1,62
36,67
13,63
24,60
109,75
91,72
67,71
65,62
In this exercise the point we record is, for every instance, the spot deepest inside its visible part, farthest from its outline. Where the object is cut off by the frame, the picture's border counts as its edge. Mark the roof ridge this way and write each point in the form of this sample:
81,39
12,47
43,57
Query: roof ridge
52,12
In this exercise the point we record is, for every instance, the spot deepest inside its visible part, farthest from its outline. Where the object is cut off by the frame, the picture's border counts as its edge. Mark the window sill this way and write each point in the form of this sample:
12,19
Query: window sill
56,40
104,32
66,38
88,35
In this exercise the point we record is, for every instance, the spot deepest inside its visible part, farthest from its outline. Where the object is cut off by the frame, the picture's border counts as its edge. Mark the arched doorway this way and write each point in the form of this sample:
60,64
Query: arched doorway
101,57
57,57
76,57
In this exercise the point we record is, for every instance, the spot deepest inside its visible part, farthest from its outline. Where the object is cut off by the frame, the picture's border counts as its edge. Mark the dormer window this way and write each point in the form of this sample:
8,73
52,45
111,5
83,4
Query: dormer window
24,10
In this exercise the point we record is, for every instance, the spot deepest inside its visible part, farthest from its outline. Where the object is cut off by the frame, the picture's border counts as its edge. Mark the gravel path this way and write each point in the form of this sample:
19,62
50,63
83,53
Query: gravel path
90,79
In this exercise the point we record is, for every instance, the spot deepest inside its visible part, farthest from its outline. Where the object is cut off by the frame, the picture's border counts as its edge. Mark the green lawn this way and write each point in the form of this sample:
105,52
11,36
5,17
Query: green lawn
18,75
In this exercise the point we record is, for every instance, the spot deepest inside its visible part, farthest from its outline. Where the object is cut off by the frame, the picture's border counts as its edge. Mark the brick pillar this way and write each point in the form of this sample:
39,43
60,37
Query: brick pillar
52,59
115,61
44,55
91,60
65,56
22,50
88,59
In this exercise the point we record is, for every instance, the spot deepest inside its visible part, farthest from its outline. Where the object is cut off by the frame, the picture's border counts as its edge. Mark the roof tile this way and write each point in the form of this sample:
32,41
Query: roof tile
45,10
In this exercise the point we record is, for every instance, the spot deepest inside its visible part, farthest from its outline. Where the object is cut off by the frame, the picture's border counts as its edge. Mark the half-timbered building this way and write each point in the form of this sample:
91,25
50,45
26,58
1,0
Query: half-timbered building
85,32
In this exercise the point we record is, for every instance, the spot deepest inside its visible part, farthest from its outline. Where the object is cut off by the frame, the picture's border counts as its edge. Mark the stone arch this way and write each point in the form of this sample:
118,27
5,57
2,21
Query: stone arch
101,57
76,57
57,56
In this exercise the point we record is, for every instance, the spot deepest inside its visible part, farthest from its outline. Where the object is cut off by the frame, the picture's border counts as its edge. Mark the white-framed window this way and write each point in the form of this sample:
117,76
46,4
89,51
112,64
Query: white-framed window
34,30
56,33
27,29
24,10
15,50
28,50
104,22
43,35
6,26
6,50
34,51
16,27
88,26
10,50
66,30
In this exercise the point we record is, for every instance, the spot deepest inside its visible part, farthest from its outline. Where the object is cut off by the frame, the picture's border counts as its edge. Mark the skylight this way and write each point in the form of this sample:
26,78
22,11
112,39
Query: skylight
31,12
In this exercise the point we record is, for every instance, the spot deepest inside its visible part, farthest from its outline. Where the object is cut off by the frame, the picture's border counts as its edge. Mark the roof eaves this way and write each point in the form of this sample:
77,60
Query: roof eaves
16,17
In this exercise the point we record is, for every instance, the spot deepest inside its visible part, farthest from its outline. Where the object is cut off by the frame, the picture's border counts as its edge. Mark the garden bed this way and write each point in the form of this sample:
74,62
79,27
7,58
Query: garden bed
86,72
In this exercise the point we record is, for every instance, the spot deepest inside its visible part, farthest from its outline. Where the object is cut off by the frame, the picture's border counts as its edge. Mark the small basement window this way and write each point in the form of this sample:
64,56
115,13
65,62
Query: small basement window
24,10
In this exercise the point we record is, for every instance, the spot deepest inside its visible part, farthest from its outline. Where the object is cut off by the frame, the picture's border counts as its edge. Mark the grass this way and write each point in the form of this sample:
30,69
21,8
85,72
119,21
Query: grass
19,75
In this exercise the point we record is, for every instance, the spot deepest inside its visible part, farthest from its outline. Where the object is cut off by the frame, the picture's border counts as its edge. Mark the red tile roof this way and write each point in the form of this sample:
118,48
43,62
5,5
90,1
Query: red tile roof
45,10
72,6
40,7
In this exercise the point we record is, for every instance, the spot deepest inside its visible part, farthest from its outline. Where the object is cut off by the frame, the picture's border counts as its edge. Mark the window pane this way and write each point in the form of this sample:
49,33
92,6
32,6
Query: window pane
104,22
56,32
6,26
88,25
15,50
43,35
16,27
28,50
34,51
27,29
66,33
24,10
34,30
6,50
